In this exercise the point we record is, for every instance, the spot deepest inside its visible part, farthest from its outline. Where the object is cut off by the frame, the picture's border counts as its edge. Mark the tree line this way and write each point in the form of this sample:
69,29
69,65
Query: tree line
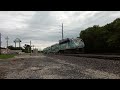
102,39
26,48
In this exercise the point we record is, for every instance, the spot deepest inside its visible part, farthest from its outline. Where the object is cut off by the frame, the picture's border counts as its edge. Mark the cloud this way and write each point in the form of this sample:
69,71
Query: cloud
43,28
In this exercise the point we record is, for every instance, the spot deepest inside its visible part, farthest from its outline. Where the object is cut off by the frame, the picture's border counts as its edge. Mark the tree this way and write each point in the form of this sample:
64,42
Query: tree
14,48
102,39
27,48
10,47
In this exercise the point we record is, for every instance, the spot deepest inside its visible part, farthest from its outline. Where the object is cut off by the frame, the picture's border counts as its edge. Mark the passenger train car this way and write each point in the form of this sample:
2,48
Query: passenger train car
66,46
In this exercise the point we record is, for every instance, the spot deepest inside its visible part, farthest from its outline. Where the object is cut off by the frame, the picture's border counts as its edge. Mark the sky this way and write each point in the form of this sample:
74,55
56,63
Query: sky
44,28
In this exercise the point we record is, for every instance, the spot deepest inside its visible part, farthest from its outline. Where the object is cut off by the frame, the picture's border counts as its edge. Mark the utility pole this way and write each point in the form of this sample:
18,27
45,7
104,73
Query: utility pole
62,31
7,43
0,43
7,40
33,46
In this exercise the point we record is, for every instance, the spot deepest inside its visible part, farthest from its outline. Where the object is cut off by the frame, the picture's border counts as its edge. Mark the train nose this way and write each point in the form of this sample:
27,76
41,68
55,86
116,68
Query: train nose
81,45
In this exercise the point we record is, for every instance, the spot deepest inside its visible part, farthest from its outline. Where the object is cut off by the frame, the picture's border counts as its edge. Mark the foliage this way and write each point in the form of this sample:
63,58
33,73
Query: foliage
14,48
27,48
102,39
6,56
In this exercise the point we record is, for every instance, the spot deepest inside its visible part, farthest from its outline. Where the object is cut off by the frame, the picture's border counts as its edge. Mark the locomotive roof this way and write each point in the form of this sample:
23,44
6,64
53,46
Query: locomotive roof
64,40
54,44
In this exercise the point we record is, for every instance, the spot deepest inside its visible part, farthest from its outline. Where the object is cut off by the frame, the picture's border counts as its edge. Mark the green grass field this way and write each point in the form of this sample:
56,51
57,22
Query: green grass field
6,56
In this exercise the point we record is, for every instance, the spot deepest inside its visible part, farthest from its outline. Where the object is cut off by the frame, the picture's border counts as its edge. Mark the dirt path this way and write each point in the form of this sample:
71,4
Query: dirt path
58,67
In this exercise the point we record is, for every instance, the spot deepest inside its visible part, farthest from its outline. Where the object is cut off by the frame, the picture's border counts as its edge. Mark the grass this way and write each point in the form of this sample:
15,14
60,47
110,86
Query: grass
6,56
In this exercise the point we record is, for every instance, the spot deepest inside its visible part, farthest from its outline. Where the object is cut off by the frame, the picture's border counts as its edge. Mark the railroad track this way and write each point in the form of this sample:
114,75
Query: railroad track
110,57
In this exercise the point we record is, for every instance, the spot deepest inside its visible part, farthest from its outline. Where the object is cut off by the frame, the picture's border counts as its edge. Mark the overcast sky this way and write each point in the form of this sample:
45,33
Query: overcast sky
43,28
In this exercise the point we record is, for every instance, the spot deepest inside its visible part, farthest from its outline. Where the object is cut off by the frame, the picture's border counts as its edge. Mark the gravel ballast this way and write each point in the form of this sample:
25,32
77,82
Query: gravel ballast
58,67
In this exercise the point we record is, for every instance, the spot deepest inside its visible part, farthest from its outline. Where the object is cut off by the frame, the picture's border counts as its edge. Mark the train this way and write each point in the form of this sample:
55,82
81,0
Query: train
73,45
